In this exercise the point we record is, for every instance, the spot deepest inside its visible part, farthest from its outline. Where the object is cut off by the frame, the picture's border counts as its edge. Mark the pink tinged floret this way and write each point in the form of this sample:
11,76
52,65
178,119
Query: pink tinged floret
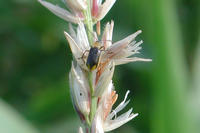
80,15
95,8
107,35
61,12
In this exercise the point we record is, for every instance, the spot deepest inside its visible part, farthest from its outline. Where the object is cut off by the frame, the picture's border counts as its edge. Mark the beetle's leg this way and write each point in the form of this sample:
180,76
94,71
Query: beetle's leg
84,54
102,48
99,60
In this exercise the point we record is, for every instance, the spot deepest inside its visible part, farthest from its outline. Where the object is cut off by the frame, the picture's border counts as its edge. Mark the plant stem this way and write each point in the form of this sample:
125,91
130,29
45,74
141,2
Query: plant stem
89,29
93,108
89,23
90,80
93,98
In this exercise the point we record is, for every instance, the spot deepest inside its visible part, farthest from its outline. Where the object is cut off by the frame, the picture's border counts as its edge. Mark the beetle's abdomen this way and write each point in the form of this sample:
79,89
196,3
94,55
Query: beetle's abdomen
93,58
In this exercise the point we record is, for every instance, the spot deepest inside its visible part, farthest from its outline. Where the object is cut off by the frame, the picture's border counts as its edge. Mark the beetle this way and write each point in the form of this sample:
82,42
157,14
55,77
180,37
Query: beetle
94,56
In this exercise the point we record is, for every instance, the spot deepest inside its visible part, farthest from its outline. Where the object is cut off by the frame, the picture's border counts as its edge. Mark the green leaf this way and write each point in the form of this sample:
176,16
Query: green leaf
13,122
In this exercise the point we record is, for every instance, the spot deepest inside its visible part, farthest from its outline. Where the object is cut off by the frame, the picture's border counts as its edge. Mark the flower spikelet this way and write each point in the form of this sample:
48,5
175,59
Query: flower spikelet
95,57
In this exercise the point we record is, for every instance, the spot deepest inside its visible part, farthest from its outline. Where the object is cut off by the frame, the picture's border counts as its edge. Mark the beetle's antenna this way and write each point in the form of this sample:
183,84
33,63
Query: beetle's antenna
100,41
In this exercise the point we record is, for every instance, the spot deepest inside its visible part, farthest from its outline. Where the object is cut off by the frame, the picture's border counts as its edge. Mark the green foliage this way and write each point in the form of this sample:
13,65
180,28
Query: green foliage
12,122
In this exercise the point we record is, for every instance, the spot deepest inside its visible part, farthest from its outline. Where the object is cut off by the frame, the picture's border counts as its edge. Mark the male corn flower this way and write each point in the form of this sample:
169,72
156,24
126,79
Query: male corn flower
92,91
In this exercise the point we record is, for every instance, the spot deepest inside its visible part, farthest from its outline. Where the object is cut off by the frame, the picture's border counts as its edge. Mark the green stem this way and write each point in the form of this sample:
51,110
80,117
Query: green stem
93,98
90,79
88,120
89,23
89,29
93,108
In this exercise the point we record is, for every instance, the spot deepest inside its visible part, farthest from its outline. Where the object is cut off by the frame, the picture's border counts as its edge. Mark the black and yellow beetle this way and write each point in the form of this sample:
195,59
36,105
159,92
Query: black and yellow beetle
94,56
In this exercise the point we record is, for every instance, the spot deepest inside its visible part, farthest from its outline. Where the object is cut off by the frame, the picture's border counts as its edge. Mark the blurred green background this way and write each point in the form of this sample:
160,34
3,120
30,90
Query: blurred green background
35,60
